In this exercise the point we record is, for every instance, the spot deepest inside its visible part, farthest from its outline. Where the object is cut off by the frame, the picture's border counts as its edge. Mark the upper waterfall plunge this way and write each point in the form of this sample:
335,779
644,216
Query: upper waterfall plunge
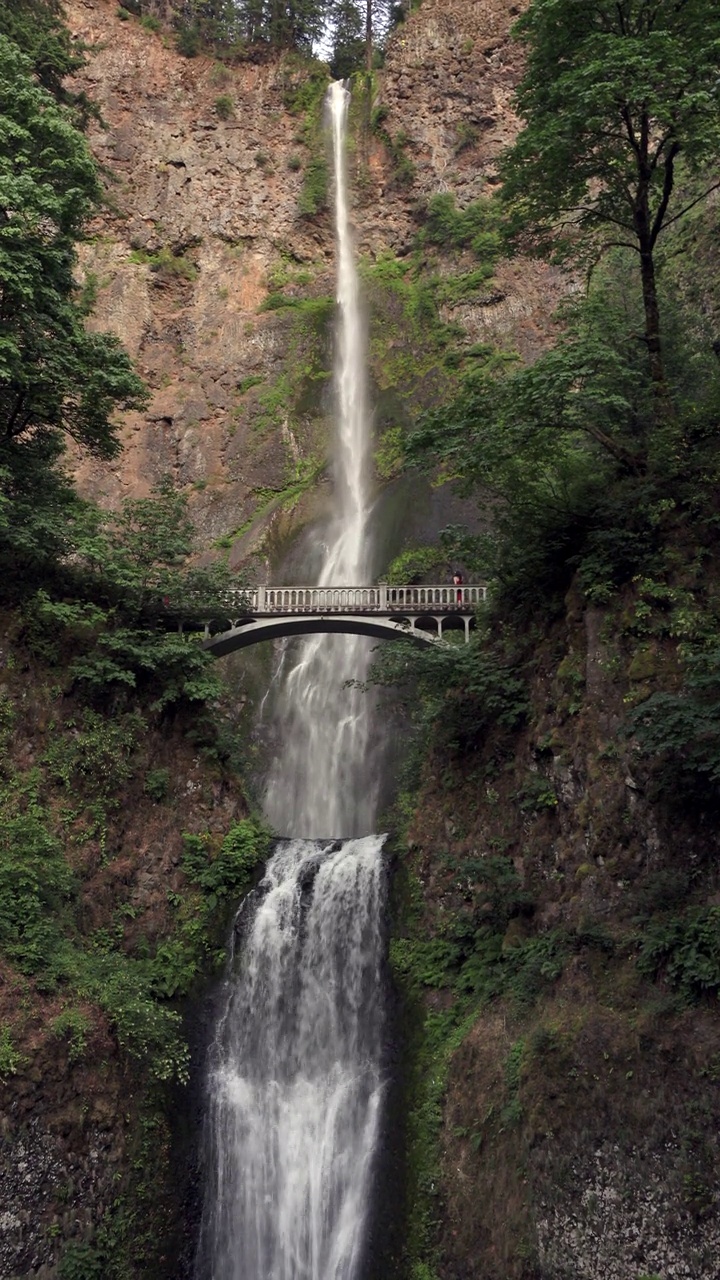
324,780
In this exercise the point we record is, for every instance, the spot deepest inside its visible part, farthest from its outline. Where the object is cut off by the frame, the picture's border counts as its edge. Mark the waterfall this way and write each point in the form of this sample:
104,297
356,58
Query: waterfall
322,782
295,1075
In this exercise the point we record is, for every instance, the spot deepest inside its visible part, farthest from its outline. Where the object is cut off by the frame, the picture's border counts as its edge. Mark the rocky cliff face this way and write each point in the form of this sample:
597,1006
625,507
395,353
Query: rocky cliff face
580,1101
208,171
96,1154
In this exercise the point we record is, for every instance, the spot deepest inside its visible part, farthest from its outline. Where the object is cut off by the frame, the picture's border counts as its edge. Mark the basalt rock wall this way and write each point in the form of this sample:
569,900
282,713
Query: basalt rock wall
207,220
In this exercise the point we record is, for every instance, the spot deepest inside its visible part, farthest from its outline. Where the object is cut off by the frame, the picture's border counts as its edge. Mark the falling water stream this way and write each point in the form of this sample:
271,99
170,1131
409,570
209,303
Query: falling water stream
322,781
295,1077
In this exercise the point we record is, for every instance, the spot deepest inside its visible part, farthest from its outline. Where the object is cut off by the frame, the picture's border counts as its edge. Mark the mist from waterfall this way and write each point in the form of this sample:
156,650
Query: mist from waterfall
295,1079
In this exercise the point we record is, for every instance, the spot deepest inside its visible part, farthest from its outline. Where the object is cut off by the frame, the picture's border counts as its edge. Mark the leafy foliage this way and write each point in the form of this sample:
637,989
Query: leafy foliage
680,730
460,692
36,884
615,95
476,227
521,432
686,951
612,95
228,872
54,376
56,379
568,450
10,1059
42,930
348,39
81,1262
224,106
229,26
128,586
37,28
416,563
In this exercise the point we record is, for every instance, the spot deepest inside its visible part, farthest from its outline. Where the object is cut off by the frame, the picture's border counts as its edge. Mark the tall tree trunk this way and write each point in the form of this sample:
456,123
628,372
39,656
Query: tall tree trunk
652,319
653,339
368,36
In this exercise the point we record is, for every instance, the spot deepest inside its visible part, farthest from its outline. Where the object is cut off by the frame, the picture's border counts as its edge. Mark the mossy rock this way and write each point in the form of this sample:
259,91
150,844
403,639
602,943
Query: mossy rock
516,935
584,870
572,668
644,664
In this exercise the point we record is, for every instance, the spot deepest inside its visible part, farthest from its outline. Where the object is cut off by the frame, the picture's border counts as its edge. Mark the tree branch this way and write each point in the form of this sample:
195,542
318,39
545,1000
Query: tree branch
621,244
625,113
603,217
10,431
715,187
668,184
619,452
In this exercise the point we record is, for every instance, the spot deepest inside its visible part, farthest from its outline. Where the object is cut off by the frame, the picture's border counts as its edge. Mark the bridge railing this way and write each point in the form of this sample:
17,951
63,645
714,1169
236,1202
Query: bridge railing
430,598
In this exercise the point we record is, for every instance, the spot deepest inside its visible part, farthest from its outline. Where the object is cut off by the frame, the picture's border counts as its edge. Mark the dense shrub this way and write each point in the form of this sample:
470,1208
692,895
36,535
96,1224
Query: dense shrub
476,227
685,951
224,106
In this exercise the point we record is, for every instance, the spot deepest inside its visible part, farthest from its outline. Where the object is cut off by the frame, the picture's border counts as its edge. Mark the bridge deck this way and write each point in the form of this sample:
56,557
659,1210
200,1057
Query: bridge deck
422,613
382,599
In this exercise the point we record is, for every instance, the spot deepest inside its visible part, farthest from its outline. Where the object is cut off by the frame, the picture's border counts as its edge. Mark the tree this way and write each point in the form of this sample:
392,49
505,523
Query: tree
216,22
37,28
295,24
617,93
54,376
348,45
125,583
56,379
380,16
357,27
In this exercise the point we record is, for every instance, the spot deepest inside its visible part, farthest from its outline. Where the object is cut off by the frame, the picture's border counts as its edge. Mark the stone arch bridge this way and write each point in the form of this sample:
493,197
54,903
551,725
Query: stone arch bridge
423,613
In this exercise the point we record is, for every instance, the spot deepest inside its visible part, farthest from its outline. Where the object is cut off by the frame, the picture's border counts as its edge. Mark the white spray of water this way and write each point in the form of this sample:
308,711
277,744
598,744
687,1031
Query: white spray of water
295,1081
322,782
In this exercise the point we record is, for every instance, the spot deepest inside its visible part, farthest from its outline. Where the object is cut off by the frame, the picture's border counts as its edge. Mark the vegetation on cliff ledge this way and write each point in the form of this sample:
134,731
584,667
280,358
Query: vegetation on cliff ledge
561,878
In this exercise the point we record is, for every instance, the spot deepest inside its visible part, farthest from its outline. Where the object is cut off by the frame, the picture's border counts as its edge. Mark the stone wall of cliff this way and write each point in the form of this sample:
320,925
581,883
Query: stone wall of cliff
563,1112
112,819
208,233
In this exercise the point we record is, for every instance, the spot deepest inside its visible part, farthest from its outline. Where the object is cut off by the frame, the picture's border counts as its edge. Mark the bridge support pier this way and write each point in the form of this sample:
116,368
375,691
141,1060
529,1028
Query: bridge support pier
466,624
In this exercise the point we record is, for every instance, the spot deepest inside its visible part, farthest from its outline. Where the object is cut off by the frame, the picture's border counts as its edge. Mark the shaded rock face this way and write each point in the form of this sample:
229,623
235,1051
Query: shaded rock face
581,1119
86,1136
59,1166
204,223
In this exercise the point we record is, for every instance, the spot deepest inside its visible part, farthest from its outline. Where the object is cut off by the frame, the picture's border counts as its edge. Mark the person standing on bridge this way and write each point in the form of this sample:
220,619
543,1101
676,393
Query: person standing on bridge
457,582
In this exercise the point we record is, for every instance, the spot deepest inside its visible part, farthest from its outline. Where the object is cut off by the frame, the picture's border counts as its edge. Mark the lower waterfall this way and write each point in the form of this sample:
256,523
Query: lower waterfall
295,1082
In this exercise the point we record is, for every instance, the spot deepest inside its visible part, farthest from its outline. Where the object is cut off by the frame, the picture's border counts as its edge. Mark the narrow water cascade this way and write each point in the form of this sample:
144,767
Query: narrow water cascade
295,1078
323,781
